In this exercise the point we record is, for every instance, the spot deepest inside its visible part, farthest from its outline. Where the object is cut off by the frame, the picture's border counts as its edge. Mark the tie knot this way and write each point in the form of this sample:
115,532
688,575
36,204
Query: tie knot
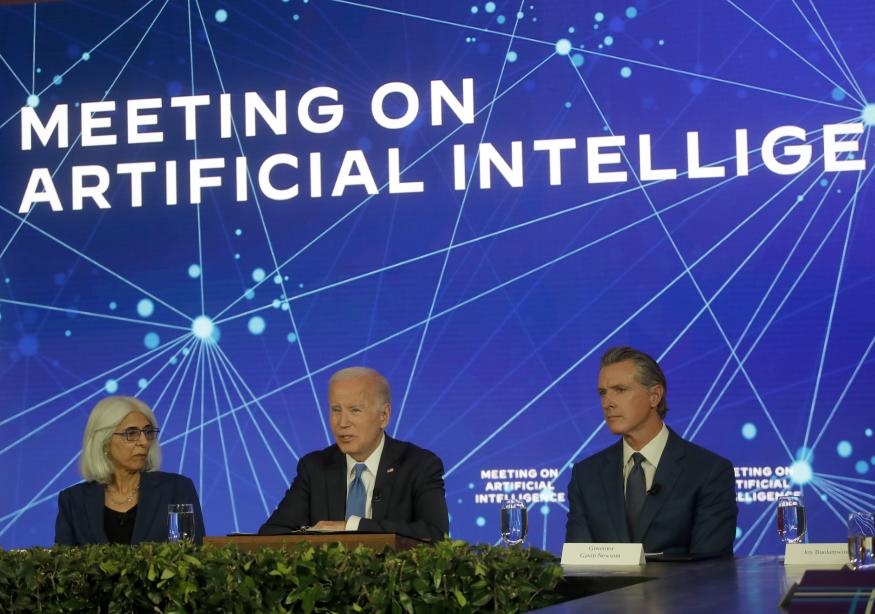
359,469
638,458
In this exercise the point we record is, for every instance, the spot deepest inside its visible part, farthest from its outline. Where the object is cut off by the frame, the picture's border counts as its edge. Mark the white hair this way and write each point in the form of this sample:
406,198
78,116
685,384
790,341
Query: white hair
102,423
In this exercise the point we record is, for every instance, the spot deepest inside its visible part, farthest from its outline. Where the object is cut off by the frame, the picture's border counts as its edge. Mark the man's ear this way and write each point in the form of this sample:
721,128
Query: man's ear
656,394
385,412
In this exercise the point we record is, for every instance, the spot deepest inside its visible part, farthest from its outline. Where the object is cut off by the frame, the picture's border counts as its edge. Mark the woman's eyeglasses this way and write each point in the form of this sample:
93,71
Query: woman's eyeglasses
133,433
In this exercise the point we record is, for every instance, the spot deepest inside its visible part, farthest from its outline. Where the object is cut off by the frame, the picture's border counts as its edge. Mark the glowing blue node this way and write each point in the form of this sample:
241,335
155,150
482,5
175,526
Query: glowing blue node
862,467
194,271
284,307
203,328
625,72
111,386
481,521
221,16
145,308
68,333
275,303
868,114
737,532
250,294
256,325
545,510
567,105
577,59
609,40
749,431
490,7
113,305
800,472
661,42
823,497
563,46
823,183
571,30
474,10
500,19
631,12
151,340
868,432
277,279
296,17
86,56
33,101
291,337
520,15
142,383
844,449
470,485
238,232
599,16
872,460
512,56
838,94
258,275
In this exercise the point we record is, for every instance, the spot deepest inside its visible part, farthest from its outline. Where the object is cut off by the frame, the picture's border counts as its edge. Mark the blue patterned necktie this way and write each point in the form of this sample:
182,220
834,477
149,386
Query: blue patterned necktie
355,499
635,493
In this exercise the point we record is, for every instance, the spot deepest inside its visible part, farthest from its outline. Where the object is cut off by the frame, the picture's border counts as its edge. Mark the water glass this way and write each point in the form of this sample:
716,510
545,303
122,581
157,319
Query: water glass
180,522
791,519
514,521
861,532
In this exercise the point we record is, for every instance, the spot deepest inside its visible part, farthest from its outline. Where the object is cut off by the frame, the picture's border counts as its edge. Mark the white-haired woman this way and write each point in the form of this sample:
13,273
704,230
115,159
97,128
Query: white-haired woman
124,498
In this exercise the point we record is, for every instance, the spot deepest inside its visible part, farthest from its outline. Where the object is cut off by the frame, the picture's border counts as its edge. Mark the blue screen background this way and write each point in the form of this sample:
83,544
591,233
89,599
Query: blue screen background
486,307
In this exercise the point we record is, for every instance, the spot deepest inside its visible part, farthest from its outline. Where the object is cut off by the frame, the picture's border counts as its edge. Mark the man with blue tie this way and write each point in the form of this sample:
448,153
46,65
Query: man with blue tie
652,486
366,481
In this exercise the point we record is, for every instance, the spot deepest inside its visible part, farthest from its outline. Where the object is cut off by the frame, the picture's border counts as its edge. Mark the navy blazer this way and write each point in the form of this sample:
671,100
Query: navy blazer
690,508
80,510
408,496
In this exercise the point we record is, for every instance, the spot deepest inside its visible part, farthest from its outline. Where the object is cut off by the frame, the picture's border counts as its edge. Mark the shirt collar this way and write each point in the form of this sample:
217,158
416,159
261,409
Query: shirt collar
652,451
372,462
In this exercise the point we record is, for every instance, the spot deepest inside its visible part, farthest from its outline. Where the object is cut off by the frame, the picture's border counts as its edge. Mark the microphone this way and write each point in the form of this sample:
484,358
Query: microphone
654,490
377,497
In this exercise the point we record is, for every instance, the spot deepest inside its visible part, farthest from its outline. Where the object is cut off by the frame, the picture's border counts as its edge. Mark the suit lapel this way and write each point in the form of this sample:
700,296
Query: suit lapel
94,503
335,485
667,473
147,510
615,498
385,480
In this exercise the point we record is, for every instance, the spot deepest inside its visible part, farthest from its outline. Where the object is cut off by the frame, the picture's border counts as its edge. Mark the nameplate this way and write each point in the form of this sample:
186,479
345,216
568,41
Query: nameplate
602,554
816,554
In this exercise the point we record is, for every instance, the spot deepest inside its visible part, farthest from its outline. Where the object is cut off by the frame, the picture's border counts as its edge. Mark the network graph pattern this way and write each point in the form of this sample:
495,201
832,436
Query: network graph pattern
692,180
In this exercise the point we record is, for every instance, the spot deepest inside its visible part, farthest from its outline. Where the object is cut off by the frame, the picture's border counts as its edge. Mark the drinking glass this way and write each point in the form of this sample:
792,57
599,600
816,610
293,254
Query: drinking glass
791,519
514,521
180,522
861,532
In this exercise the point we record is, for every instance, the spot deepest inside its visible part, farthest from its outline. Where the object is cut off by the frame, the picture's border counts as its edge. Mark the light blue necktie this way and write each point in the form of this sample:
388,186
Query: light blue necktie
355,499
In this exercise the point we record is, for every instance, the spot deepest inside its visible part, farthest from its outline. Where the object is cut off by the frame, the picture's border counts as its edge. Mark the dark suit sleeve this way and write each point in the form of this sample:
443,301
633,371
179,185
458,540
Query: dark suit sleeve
577,529
716,512
428,517
293,512
64,534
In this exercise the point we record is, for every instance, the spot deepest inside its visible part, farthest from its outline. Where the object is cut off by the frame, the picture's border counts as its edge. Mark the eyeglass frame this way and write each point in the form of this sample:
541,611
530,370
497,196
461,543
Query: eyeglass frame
134,432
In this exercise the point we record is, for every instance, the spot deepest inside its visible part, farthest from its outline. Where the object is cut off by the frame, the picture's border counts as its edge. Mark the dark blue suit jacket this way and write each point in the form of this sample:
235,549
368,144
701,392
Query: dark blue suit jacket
408,497
691,507
80,510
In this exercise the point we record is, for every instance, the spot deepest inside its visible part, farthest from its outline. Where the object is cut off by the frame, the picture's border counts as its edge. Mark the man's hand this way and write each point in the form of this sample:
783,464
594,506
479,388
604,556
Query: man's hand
329,525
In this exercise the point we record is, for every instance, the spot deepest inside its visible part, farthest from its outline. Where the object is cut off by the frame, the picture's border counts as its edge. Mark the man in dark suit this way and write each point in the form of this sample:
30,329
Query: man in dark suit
652,486
366,481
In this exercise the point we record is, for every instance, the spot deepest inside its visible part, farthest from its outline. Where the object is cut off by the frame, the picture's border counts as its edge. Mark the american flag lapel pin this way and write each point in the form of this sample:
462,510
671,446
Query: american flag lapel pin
390,470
